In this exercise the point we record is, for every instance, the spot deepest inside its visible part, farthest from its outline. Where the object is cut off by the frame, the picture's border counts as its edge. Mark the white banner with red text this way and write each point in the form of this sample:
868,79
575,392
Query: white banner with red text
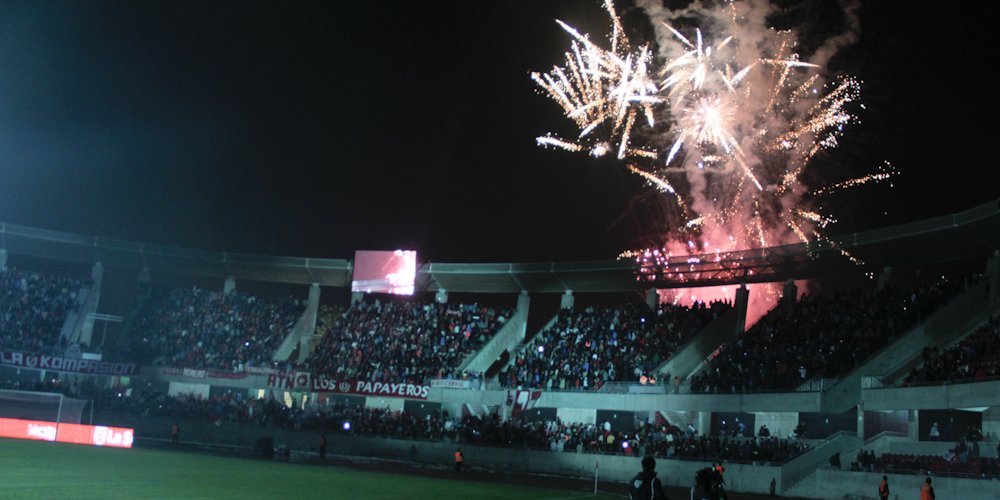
67,365
363,388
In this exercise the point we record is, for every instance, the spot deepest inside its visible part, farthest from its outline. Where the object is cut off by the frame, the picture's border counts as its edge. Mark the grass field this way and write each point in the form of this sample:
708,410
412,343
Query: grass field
32,469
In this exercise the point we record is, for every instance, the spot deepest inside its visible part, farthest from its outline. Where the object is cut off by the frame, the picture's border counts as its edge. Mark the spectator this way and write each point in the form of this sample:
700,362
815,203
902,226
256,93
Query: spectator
195,328
403,340
645,485
821,337
975,357
587,348
33,308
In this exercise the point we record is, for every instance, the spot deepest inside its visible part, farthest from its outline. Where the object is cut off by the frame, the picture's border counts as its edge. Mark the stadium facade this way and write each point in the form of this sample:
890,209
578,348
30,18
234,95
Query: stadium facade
865,409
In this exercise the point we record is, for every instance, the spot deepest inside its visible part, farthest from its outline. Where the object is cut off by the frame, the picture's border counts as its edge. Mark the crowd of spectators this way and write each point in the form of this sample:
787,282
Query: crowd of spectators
197,328
951,463
821,336
397,340
977,356
586,348
33,308
663,440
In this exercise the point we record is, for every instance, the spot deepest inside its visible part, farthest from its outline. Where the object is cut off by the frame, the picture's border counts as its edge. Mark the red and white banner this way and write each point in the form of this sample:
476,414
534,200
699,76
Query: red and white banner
362,388
451,384
68,365
289,381
95,435
184,372
523,400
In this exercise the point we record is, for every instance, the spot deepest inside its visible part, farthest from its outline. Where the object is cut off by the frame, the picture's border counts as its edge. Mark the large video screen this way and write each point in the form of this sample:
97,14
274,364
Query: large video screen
384,271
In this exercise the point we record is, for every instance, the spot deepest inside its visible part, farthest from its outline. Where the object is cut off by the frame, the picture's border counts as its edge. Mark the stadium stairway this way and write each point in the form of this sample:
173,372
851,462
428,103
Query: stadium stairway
79,325
301,336
946,325
798,477
684,362
512,334
524,343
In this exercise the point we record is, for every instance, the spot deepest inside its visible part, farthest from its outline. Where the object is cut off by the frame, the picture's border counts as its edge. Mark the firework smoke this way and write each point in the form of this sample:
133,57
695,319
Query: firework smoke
745,114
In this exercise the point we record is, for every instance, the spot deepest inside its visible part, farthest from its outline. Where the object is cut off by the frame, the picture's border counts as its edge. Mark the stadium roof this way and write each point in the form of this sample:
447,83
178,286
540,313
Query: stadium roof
968,234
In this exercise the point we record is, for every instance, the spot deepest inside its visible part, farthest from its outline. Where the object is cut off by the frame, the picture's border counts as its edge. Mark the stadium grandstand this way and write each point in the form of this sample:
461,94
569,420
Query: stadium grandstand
888,363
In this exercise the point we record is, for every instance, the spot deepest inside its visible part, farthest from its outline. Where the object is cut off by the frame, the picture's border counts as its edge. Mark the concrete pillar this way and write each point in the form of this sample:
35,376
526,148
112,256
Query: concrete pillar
523,304
789,294
912,427
703,423
993,276
742,301
652,298
441,297
314,294
523,301
86,334
567,300
356,298
883,277
144,275
229,286
3,259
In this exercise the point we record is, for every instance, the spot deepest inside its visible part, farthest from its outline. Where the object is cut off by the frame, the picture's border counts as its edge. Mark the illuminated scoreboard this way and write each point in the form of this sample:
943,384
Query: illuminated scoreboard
384,271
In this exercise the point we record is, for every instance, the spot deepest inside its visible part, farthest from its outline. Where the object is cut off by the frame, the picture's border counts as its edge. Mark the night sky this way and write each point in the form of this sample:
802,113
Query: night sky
314,129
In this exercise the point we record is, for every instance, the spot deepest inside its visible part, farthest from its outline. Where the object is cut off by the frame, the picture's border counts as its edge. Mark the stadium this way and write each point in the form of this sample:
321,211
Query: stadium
157,340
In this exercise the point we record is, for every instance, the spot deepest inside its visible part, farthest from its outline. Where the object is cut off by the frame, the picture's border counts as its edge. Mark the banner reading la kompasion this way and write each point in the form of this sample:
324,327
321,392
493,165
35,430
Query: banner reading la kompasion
363,388
68,365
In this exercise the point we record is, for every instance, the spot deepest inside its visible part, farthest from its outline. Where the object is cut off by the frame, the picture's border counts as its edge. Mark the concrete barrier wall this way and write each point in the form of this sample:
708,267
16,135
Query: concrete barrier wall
970,395
986,448
739,477
845,484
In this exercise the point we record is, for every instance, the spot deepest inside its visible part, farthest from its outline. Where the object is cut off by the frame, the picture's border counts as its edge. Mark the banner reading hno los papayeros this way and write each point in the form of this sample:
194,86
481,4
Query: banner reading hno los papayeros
363,388
69,365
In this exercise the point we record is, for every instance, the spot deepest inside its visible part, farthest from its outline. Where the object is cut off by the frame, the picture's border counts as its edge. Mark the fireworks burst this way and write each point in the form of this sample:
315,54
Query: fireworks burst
745,116
603,91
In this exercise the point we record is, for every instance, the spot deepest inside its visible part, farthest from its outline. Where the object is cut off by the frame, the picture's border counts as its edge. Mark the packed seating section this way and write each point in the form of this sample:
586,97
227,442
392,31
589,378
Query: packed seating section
589,347
198,328
33,309
821,336
396,340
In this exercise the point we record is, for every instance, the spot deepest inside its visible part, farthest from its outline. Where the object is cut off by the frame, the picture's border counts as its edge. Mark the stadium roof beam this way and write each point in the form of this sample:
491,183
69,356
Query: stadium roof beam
968,234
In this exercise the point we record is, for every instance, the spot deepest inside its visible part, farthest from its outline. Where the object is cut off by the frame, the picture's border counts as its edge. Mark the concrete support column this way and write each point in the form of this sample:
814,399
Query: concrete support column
884,277
3,259
523,305
441,297
567,300
703,423
993,276
93,300
652,298
229,286
314,294
523,301
789,294
912,427
742,301
144,276
356,298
